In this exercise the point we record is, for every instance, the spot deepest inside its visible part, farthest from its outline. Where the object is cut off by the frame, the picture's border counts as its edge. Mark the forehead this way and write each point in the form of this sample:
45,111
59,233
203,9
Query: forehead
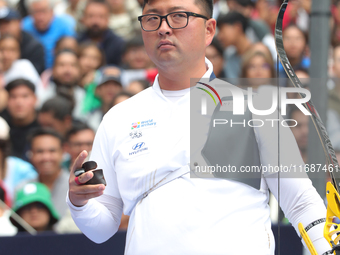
166,6
45,141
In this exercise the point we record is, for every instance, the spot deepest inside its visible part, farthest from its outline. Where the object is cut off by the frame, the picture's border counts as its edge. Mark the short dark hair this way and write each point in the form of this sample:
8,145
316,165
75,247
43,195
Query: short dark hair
232,18
103,2
63,51
207,5
59,106
20,82
77,127
40,131
136,41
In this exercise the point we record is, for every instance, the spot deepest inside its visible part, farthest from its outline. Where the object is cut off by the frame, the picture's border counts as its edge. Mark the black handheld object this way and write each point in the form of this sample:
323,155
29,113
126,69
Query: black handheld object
98,175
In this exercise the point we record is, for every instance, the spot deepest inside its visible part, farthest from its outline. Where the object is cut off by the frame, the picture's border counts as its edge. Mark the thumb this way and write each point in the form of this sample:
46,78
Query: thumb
79,160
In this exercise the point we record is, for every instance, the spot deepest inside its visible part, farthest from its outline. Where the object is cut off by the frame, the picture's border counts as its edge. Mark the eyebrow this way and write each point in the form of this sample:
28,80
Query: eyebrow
172,9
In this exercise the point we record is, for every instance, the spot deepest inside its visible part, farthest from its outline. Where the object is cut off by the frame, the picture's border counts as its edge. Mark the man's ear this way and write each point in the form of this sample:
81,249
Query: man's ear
210,31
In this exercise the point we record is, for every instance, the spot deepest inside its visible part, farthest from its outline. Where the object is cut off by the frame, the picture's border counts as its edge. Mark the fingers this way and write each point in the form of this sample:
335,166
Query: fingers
85,177
79,161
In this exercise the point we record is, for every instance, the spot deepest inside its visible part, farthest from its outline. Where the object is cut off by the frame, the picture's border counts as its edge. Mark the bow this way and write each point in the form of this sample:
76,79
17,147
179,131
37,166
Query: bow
332,189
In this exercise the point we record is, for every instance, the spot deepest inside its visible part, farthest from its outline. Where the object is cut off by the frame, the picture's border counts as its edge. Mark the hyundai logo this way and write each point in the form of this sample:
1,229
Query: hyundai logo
138,146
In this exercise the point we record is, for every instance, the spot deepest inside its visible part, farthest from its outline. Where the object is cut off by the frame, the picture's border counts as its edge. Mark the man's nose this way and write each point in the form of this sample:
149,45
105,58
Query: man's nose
164,28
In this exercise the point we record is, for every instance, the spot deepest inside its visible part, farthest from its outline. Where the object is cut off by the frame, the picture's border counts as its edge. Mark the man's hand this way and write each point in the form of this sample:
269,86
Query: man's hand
80,194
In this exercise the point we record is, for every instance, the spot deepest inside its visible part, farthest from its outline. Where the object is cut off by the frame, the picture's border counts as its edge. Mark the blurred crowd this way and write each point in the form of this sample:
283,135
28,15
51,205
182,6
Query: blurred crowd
65,63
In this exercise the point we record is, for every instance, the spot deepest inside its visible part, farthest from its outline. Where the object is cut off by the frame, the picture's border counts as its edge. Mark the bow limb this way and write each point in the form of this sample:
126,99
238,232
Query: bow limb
332,190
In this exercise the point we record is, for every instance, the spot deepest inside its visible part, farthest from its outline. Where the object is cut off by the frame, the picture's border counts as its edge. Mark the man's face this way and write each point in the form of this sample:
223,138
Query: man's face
170,48
136,58
46,119
21,103
300,132
42,14
227,34
80,141
46,155
66,69
96,19
108,91
10,50
36,214
294,42
11,27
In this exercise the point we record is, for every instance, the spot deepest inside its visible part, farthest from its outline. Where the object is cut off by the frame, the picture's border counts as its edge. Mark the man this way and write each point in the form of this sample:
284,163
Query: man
148,173
46,155
64,81
30,48
46,27
80,137
56,113
107,88
232,32
96,20
257,30
20,114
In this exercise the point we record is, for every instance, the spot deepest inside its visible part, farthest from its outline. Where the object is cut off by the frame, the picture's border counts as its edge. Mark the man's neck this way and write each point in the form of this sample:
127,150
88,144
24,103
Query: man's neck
24,122
242,45
178,78
49,180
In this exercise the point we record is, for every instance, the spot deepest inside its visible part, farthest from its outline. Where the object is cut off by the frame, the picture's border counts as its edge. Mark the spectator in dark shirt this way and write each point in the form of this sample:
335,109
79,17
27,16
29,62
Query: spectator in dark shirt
96,20
20,114
30,48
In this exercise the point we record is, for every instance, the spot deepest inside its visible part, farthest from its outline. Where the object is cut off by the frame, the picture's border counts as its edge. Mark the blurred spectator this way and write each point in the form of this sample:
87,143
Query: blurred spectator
134,56
65,78
258,69
45,27
214,52
123,18
3,92
333,114
80,137
15,68
64,43
267,11
257,30
75,8
120,97
137,86
96,21
295,44
46,156
335,22
56,113
220,8
107,88
7,229
20,114
300,131
12,169
91,58
30,48
33,204
232,27
298,12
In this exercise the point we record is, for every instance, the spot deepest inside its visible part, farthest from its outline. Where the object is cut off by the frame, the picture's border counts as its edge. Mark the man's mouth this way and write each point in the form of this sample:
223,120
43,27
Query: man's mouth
165,43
